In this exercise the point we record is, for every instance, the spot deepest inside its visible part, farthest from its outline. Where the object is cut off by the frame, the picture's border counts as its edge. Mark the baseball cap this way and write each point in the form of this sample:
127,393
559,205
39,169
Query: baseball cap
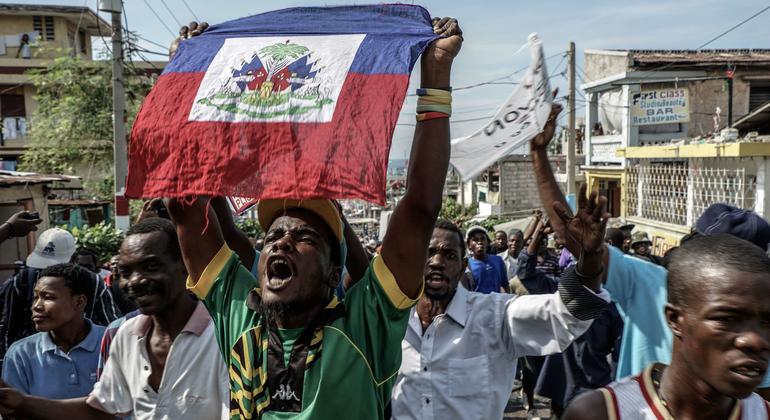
474,229
744,224
271,209
640,237
621,224
54,246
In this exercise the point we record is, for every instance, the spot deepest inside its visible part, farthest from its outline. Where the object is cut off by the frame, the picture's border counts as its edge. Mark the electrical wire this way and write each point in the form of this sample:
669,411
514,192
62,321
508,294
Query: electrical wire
171,13
497,80
159,18
734,27
190,10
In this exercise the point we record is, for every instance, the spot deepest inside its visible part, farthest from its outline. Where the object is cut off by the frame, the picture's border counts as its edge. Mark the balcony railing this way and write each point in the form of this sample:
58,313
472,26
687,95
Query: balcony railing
678,194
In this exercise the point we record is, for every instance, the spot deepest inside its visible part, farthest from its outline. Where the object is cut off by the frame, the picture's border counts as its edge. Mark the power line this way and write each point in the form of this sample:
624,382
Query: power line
743,22
171,13
190,10
151,42
497,80
159,18
734,27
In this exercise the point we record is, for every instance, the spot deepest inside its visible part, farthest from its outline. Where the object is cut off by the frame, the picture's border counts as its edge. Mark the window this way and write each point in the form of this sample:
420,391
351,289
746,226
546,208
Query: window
82,38
44,26
759,94
49,29
12,106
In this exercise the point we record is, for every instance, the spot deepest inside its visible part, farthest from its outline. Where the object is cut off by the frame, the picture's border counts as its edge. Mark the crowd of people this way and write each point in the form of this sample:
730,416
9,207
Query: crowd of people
190,321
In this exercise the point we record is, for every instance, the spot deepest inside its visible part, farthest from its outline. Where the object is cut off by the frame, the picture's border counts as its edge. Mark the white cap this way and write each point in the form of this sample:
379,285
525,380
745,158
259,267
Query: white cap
54,246
476,228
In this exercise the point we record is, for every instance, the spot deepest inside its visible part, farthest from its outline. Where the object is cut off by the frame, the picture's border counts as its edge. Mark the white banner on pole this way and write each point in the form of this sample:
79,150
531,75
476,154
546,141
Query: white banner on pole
521,118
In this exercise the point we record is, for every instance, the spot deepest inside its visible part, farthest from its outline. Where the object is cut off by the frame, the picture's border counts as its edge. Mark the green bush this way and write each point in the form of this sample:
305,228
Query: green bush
250,226
102,238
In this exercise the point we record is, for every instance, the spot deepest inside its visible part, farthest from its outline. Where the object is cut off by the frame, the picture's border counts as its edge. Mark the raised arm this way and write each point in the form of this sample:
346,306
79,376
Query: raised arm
235,238
405,246
199,233
548,188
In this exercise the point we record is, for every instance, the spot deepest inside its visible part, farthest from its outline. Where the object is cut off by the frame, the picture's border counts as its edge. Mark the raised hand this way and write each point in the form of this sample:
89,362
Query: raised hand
449,46
587,227
186,32
544,138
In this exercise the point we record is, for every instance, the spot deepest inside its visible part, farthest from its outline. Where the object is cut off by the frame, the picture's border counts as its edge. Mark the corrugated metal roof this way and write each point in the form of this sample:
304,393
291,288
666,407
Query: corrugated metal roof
8,178
721,56
81,203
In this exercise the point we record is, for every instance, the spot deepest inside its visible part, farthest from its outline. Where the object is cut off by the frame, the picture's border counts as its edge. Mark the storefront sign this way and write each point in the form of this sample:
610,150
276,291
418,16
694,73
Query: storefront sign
663,106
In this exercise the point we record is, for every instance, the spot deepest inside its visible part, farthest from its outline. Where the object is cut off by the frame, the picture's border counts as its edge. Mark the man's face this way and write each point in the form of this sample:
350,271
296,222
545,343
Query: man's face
53,304
477,244
150,275
725,331
642,248
445,265
515,244
626,241
296,271
87,261
501,241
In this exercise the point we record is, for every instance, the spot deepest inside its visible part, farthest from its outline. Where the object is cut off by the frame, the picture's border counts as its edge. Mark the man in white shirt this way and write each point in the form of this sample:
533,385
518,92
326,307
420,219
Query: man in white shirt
460,350
165,363
511,255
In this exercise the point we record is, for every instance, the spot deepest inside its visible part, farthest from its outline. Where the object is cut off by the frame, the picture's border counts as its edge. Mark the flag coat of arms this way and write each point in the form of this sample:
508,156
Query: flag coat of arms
296,103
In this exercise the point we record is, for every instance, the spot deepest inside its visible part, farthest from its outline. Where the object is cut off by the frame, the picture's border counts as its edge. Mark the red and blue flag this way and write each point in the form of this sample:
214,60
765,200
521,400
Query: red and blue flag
296,103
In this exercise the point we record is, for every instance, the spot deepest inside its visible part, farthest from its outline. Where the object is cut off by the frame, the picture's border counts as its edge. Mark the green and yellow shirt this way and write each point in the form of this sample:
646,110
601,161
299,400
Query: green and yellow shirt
350,360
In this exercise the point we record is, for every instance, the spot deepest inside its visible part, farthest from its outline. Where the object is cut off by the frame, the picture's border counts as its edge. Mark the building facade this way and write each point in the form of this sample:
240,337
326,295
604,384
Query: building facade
669,133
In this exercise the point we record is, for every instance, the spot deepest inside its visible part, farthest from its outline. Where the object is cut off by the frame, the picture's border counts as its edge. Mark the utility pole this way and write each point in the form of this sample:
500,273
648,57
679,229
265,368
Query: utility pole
571,124
120,150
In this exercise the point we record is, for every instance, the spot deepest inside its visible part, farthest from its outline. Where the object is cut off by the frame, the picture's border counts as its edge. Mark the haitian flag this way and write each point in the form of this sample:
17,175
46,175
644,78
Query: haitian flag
296,103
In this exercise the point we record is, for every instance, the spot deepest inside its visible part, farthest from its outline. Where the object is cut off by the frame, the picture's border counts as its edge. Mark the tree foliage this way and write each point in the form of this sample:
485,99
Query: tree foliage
456,212
250,227
71,128
102,238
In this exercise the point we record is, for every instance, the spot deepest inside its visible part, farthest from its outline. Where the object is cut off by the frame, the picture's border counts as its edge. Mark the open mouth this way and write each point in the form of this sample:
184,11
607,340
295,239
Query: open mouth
279,272
436,279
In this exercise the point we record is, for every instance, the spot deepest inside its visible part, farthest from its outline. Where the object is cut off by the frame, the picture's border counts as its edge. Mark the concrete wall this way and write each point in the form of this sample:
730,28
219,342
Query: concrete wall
604,64
13,25
14,199
517,183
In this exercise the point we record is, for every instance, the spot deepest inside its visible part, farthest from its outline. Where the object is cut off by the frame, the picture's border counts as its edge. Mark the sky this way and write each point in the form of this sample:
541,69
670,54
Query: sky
494,30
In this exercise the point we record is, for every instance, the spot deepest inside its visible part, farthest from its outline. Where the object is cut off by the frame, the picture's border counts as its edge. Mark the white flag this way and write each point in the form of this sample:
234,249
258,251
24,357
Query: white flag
520,119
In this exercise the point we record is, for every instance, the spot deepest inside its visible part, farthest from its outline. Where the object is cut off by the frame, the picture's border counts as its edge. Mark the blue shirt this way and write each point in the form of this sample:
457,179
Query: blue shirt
639,290
36,366
489,275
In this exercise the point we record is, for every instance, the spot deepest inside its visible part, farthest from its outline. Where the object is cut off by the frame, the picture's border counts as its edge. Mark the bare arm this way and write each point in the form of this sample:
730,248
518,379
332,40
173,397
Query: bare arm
405,246
536,217
199,242
357,260
15,404
588,406
548,188
234,237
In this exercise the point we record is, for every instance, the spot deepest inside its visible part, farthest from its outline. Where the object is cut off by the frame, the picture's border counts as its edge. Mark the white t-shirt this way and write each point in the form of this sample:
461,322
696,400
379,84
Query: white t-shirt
195,384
